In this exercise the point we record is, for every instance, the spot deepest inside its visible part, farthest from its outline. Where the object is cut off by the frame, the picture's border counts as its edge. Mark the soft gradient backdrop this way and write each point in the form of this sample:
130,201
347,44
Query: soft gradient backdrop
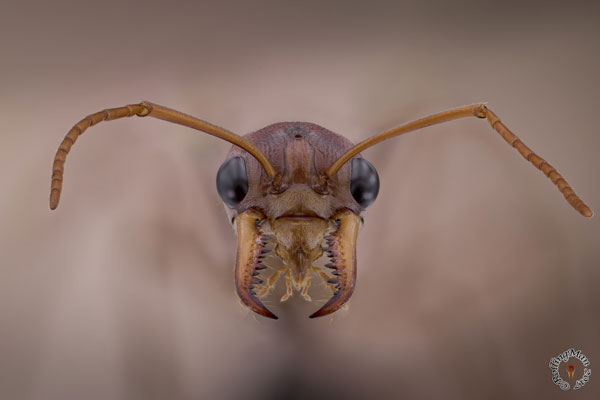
473,270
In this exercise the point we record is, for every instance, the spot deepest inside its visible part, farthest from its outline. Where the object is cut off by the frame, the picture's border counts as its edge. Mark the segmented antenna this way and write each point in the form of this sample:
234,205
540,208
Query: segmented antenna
480,111
142,110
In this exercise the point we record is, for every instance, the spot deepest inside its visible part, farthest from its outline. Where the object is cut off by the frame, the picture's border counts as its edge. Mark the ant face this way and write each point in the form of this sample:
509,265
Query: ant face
304,220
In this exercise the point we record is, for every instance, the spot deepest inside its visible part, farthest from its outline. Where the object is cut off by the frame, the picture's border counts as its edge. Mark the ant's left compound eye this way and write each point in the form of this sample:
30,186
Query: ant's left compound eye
232,181
364,182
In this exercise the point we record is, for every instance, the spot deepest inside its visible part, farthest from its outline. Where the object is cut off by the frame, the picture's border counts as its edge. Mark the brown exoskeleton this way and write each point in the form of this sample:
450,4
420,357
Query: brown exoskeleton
289,188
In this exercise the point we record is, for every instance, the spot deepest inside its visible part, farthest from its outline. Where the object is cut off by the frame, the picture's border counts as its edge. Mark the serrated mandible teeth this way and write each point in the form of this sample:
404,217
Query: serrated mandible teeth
343,245
249,248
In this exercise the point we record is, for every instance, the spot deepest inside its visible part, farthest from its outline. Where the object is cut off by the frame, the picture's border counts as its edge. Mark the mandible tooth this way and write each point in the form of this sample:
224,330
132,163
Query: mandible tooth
333,280
330,266
261,266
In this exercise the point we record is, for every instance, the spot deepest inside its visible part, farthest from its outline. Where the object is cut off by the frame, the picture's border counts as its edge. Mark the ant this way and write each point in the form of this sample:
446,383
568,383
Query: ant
298,190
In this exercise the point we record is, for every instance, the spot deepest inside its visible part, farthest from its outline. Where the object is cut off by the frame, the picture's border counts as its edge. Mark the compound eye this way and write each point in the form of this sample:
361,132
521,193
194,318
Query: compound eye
232,181
364,182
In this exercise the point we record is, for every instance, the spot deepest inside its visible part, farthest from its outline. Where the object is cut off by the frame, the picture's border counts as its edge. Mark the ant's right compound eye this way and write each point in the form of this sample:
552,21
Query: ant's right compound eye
232,181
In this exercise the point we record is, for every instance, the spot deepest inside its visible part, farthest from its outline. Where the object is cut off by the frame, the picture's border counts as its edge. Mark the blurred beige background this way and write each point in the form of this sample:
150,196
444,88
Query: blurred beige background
473,270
